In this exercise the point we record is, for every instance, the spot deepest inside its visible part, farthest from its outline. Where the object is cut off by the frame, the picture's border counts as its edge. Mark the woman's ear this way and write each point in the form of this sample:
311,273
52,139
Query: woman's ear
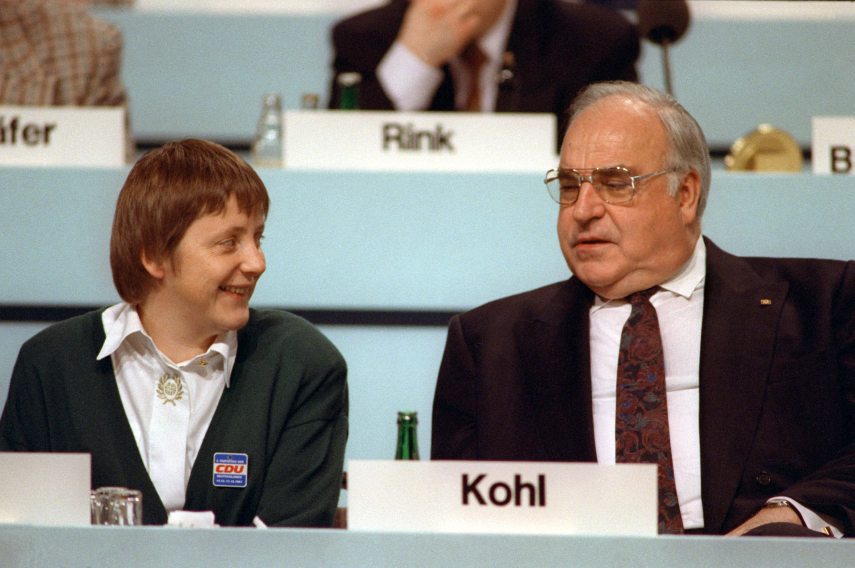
156,268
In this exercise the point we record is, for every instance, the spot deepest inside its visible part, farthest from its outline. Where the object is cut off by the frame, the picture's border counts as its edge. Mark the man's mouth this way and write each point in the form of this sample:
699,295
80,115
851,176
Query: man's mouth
590,241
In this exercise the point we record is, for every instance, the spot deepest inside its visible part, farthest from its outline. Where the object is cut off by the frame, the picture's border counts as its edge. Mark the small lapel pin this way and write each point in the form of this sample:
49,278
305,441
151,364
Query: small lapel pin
765,301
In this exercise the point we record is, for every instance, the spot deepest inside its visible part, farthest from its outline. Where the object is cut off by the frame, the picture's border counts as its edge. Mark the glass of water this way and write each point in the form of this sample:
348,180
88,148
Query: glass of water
118,506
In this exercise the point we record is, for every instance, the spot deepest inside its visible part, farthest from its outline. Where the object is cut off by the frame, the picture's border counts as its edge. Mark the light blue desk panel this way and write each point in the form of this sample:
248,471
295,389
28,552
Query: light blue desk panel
733,74
391,240
204,74
194,74
156,547
333,240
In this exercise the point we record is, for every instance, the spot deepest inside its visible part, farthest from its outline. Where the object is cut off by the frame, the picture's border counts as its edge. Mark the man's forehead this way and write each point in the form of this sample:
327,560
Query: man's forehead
614,110
613,125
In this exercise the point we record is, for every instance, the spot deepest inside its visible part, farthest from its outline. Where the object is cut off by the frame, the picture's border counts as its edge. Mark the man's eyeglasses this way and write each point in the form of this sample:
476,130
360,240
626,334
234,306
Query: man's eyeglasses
614,185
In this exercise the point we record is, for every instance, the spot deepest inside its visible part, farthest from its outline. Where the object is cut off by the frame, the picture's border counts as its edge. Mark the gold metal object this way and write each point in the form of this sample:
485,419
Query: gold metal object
169,388
766,149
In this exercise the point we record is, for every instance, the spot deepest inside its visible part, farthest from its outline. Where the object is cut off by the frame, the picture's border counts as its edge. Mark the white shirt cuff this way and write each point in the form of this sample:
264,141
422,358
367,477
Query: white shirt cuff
409,82
191,519
811,519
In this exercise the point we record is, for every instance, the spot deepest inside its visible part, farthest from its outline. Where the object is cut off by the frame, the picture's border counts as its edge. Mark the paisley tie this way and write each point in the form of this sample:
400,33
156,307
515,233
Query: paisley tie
641,420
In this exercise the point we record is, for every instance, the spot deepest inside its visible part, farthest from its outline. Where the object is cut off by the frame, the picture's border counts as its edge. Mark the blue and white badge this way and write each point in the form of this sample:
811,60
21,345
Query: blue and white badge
230,470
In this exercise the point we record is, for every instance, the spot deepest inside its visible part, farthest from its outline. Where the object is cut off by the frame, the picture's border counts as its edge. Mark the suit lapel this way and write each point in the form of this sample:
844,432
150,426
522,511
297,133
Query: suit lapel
523,50
556,367
741,314
443,100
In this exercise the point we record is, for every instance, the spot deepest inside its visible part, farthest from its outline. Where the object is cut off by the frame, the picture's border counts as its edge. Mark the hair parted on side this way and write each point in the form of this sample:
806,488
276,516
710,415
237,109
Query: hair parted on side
166,190
688,145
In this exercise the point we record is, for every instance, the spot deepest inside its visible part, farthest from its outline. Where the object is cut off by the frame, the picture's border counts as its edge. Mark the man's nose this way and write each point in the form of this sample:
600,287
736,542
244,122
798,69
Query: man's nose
589,204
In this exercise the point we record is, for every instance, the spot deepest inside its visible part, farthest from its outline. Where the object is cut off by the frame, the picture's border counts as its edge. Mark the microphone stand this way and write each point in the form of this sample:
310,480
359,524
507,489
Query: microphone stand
666,66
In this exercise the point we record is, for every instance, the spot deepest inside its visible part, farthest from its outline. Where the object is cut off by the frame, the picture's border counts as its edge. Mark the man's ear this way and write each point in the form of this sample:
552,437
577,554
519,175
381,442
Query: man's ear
689,196
156,268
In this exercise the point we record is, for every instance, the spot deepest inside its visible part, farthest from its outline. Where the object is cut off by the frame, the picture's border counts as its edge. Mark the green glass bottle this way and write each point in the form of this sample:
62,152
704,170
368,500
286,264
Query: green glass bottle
408,442
348,84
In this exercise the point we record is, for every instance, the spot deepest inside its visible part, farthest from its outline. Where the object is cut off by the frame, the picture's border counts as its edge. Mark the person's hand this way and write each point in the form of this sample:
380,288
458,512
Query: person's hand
438,30
765,516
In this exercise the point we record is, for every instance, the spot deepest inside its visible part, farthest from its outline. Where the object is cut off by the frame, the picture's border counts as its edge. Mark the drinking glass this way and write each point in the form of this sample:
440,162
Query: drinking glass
115,506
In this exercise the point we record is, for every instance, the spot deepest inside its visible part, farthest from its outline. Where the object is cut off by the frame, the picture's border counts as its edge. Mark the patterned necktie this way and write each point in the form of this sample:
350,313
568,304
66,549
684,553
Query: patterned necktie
473,59
641,420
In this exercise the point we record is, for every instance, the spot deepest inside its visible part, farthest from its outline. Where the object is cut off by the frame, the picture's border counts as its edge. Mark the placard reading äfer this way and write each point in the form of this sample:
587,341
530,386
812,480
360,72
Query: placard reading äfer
419,141
62,136
502,497
833,145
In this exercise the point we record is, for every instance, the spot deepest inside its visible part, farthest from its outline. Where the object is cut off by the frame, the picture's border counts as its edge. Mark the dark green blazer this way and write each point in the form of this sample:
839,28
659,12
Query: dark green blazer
286,408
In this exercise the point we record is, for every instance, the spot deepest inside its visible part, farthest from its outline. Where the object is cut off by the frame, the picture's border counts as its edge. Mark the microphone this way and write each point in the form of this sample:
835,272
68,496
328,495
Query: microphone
507,98
507,77
663,22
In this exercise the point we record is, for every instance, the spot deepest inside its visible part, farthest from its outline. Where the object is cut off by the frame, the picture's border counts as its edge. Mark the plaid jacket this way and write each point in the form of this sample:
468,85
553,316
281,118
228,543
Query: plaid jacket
55,53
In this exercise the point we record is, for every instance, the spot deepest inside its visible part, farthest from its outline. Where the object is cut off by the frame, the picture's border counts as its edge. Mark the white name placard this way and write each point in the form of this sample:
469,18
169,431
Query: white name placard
502,497
833,145
420,141
62,136
45,488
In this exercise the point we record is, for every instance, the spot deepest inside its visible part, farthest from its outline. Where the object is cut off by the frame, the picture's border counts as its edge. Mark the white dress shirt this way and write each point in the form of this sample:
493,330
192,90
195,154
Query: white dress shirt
679,307
410,83
138,365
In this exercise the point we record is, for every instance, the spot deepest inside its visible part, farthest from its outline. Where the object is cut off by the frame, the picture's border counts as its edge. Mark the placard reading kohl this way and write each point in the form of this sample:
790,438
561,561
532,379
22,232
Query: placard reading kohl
833,145
62,136
425,141
502,497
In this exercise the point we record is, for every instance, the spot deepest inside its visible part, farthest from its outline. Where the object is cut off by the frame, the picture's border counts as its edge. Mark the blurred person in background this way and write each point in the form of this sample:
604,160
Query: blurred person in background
482,55
54,53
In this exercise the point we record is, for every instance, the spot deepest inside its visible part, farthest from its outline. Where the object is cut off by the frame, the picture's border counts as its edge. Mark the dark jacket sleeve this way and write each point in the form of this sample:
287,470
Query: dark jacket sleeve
304,465
453,433
23,425
830,489
359,44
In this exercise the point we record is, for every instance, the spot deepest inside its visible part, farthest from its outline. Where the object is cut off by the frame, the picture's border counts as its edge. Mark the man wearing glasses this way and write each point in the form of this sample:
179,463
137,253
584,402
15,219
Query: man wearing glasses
735,375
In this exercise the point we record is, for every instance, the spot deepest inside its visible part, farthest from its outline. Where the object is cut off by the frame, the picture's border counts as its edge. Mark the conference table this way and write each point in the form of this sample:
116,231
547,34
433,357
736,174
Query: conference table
156,547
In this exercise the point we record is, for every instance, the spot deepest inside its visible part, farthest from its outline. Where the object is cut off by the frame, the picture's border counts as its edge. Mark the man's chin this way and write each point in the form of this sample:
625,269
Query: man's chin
601,282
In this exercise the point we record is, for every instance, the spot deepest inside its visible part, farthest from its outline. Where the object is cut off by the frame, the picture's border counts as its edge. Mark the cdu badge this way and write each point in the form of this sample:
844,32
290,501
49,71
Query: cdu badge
230,470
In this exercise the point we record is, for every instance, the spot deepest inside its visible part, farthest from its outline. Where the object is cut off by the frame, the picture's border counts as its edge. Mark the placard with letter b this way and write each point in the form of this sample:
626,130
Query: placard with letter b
833,145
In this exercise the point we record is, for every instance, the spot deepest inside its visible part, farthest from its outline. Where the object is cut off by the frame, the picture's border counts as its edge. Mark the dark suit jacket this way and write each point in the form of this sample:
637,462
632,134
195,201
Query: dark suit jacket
777,384
559,48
